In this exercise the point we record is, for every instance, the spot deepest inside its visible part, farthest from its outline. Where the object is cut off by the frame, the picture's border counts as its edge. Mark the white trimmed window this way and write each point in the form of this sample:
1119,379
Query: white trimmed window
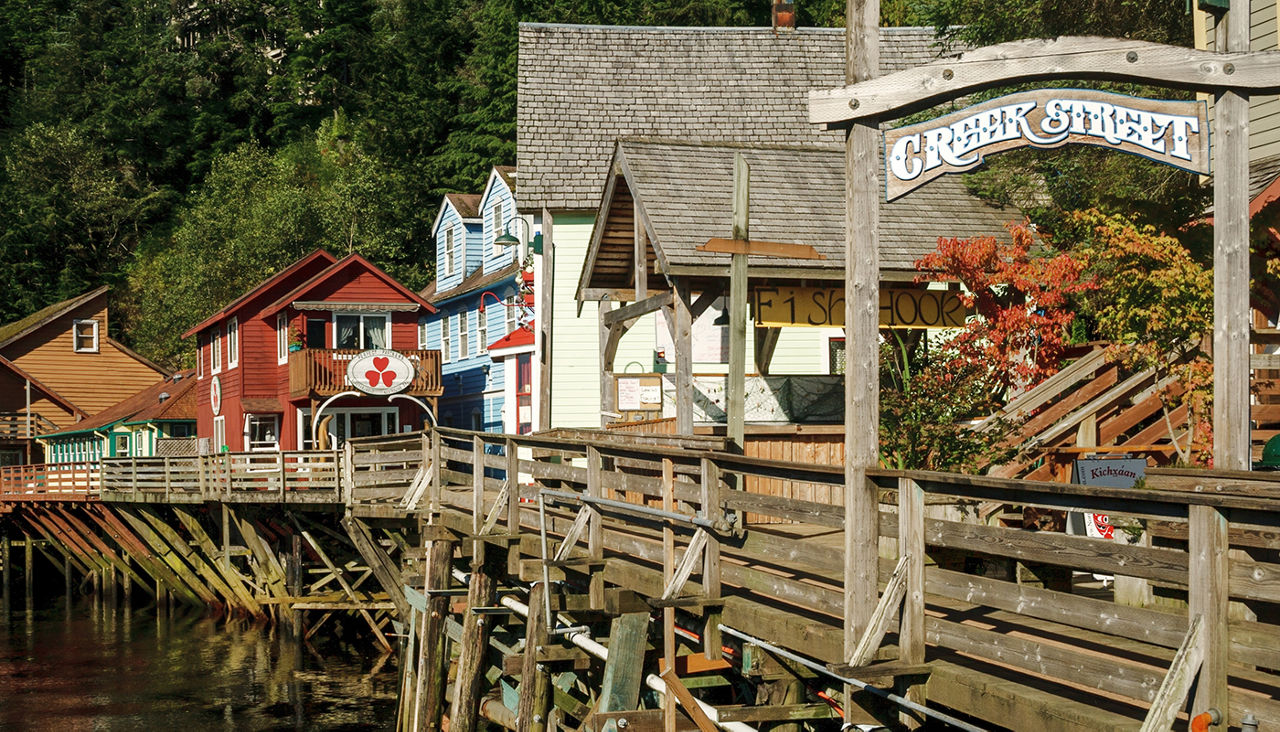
446,324
495,223
84,336
362,331
422,335
233,343
215,351
512,310
482,326
282,338
464,333
219,433
448,251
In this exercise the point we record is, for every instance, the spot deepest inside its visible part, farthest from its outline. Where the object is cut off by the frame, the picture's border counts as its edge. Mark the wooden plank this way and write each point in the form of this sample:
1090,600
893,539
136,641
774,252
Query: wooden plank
735,388
385,570
534,700
774,713
884,612
1207,600
862,324
623,675
757,248
474,643
1038,59
337,574
711,567
677,689
1164,708
682,339
434,663
636,309
546,315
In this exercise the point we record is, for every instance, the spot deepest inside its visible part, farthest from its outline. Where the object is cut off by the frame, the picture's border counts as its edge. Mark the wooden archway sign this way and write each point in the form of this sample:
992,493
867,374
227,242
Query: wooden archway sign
1231,74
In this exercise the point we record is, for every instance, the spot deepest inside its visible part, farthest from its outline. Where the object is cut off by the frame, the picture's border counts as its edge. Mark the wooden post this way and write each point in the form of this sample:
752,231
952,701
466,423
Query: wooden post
28,578
1207,597
6,553
477,484
911,636
595,532
464,714
295,589
513,487
668,569
608,337
736,389
862,319
437,474
623,677
546,315
434,671
711,560
535,682
682,340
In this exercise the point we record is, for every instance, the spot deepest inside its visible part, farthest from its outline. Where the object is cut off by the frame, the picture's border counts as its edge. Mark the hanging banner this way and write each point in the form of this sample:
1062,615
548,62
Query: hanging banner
1168,131
823,307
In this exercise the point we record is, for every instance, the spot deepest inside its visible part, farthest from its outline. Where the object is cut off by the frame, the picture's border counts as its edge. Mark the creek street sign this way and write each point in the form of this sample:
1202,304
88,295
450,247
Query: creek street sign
823,307
1172,132
381,372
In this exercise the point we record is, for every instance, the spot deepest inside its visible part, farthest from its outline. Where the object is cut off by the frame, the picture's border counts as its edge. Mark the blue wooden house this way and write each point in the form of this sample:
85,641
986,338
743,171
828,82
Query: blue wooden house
477,294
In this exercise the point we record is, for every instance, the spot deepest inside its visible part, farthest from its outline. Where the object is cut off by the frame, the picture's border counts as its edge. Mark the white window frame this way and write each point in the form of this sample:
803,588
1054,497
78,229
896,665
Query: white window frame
386,318
512,304
495,221
482,332
75,335
464,334
449,250
250,420
233,343
215,351
219,433
422,335
446,342
199,356
282,338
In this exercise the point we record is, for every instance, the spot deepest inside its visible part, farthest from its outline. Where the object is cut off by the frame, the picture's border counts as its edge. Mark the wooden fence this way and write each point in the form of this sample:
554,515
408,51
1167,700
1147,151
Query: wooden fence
56,481
291,477
1043,651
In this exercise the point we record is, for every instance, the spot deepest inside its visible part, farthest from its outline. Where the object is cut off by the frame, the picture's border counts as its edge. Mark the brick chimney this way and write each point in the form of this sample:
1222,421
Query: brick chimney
784,16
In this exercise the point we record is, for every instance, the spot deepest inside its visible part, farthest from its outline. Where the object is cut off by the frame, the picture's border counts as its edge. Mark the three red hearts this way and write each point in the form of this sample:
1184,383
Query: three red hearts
386,377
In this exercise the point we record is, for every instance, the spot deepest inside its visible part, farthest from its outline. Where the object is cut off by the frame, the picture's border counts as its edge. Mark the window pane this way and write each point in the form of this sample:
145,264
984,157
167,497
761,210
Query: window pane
315,332
348,331
375,331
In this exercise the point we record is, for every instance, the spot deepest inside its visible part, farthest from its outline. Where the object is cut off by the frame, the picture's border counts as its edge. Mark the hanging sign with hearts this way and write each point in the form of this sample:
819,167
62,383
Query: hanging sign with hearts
381,372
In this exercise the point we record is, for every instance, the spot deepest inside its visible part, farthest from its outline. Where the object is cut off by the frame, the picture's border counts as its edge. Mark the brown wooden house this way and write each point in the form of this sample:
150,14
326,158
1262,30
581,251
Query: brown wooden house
59,366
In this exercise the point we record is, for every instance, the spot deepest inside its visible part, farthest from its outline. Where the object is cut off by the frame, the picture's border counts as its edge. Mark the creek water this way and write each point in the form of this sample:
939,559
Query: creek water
96,668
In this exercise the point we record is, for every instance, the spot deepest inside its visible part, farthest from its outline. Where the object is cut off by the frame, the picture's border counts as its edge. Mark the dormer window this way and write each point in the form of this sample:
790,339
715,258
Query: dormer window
84,336
448,251
495,224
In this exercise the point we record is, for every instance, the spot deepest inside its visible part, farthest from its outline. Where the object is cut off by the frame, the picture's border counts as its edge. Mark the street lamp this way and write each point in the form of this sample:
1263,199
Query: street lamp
507,239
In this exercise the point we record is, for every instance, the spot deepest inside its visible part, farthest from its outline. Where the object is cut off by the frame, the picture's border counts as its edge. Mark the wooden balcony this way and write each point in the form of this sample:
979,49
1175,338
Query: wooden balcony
320,372
18,426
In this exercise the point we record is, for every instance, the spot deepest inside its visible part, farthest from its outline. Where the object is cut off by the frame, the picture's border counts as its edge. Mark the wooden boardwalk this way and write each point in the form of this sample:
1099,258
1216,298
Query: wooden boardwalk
649,550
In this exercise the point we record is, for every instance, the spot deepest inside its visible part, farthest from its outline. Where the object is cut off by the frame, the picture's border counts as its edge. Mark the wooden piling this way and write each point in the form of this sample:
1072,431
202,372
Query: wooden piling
28,577
220,561
6,550
433,669
179,574
464,714
535,683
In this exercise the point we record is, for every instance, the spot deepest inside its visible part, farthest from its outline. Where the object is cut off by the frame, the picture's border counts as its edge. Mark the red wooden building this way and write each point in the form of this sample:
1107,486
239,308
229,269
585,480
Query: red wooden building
271,359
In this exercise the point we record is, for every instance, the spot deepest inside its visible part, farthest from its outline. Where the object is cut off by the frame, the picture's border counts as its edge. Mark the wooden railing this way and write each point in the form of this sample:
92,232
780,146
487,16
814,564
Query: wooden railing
323,372
20,426
1111,663
290,477
57,481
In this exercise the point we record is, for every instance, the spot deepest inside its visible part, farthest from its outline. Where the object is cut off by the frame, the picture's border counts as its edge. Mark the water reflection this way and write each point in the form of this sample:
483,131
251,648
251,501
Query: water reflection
100,668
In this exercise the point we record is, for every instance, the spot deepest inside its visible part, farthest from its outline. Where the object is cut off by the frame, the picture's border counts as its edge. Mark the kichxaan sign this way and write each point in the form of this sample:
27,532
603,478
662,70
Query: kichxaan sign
1171,132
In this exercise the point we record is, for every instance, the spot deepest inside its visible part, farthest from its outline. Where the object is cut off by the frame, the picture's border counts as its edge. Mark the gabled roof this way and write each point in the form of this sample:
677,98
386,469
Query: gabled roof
466,204
54,396
522,336
684,193
508,175
146,406
318,255
1264,183
580,88
19,328
351,260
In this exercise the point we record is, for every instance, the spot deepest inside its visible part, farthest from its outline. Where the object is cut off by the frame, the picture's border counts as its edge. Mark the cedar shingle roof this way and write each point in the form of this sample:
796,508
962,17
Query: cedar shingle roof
797,196
581,88
467,204
1262,173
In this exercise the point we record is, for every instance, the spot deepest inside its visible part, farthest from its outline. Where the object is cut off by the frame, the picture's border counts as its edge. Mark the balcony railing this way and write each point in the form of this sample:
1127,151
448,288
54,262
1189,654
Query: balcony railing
55,481
20,426
321,372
